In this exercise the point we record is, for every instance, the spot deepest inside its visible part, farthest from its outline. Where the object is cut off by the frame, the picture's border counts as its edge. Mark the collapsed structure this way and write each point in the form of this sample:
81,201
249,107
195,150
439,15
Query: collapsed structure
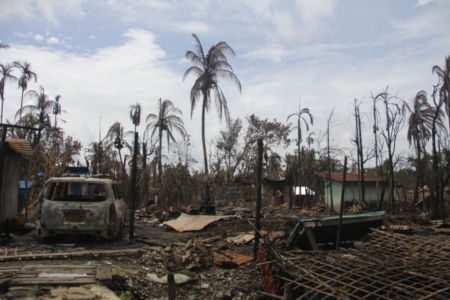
382,265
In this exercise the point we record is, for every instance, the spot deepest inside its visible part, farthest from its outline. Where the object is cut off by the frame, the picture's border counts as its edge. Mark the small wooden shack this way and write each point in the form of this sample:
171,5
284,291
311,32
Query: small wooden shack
275,192
11,153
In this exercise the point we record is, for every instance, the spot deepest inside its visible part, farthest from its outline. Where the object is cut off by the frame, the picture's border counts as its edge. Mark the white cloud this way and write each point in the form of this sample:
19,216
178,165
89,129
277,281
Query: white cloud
274,53
190,27
274,68
423,2
314,16
38,37
424,25
314,11
13,7
53,40
285,25
51,9
103,83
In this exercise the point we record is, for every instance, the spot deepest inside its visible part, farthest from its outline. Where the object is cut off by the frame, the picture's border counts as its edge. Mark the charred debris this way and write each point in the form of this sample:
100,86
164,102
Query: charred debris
194,256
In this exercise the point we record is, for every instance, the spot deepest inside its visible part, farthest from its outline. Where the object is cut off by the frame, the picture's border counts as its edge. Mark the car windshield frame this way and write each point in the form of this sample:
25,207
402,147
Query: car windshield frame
73,191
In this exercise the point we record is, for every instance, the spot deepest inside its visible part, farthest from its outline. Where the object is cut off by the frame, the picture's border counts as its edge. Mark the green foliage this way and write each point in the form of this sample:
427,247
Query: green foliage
273,133
126,295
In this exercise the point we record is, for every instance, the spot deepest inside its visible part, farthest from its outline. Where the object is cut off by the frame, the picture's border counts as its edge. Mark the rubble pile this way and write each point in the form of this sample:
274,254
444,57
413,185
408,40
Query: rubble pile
213,263
219,267
211,257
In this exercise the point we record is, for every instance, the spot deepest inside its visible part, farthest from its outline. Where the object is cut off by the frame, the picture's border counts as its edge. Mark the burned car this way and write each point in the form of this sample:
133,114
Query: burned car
80,205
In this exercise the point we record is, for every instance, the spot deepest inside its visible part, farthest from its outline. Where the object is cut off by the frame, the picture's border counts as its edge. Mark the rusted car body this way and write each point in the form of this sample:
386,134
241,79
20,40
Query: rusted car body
80,205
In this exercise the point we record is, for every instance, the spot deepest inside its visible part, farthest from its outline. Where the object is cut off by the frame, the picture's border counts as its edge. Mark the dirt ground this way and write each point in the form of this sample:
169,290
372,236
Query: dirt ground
198,259
191,255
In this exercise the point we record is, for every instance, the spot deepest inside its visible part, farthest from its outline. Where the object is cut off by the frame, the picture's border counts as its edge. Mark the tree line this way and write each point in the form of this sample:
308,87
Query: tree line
165,167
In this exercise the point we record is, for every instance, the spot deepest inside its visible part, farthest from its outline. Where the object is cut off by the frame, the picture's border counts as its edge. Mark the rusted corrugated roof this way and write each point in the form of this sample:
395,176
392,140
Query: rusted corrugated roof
20,146
353,177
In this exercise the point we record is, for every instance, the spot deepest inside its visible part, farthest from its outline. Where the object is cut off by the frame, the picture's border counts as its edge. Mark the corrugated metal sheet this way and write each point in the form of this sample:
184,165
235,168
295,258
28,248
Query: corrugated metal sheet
20,146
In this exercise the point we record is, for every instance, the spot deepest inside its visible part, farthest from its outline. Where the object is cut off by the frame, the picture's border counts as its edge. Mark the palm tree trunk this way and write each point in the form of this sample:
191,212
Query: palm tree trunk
21,105
418,175
160,155
205,159
122,164
1,118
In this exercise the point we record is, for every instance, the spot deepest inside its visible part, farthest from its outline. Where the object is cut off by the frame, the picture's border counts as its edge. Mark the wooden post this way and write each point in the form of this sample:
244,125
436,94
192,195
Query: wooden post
287,291
258,197
338,240
171,286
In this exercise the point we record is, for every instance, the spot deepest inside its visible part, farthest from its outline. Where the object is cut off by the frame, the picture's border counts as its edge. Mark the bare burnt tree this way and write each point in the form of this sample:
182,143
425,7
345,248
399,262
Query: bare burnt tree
359,149
242,160
376,117
227,147
273,133
326,163
394,113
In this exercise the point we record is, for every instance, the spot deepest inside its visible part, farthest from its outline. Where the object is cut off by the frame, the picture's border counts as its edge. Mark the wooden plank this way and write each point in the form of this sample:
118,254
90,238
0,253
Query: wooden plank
49,274
104,272
311,238
387,225
53,272
58,270
8,269
102,253
51,281
61,266
56,275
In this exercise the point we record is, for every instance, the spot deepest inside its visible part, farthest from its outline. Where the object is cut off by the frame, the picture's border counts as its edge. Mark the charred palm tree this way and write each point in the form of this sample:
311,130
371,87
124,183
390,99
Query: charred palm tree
301,117
166,121
41,109
26,76
115,138
209,68
420,124
444,91
6,73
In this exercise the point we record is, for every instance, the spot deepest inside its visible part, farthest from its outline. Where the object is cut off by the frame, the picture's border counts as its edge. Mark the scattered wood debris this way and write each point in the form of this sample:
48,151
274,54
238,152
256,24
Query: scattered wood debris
230,258
180,278
241,239
55,275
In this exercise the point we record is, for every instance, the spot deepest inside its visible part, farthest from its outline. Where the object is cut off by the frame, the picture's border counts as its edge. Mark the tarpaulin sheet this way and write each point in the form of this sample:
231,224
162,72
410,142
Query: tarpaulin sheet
187,222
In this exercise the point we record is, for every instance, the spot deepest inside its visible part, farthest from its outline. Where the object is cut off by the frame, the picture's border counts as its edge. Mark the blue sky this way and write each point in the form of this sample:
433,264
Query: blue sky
103,56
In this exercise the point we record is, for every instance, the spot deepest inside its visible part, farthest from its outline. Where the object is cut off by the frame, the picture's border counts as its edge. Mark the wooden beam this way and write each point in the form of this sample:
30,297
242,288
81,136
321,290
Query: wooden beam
102,253
311,238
